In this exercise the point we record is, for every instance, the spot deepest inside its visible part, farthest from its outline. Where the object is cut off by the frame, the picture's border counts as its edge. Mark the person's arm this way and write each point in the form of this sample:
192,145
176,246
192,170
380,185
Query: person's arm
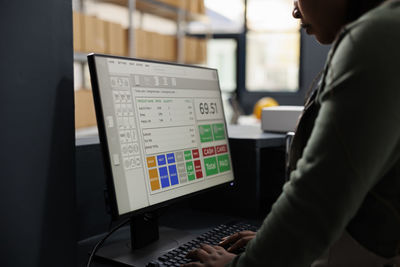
354,142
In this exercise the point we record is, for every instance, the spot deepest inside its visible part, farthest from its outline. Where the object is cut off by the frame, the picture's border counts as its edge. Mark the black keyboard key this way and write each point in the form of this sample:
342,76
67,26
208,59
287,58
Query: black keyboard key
162,258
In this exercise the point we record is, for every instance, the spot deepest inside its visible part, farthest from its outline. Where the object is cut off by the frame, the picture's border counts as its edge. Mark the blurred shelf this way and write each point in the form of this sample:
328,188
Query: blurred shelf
160,9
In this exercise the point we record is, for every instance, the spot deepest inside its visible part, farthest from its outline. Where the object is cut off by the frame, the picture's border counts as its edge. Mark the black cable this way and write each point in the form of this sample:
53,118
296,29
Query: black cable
98,245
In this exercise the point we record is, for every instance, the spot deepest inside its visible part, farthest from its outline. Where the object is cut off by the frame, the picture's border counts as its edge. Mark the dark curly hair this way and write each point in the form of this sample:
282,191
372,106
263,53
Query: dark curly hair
357,8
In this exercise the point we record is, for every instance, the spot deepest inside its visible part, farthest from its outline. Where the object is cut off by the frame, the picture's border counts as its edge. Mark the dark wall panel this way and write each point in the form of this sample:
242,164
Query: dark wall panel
313,57
37,134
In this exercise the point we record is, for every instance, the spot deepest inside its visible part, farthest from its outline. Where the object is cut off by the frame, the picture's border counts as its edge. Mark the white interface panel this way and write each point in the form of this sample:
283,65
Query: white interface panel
165,130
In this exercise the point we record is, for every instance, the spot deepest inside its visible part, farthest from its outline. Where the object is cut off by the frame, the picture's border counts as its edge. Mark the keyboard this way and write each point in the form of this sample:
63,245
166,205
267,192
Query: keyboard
177,256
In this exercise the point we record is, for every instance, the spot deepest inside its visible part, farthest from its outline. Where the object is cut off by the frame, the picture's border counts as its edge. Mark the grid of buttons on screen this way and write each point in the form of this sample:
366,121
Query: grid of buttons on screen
181,167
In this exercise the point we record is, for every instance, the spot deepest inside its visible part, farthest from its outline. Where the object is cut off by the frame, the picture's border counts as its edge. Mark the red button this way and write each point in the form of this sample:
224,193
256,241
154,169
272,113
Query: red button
199,175
208,151
197,165
221,149
195,153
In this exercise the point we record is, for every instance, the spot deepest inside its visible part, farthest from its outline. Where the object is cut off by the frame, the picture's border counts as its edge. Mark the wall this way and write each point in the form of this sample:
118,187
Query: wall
37,134
313,56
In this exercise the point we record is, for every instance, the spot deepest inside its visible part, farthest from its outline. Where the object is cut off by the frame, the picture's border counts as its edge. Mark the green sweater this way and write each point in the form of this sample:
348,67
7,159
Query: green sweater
348,177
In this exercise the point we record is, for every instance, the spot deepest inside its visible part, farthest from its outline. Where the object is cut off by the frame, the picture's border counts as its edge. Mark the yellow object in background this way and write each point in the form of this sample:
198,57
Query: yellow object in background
264,102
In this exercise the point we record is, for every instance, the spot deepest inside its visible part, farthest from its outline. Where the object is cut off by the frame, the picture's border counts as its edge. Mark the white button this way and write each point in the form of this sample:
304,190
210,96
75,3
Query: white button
134,136
120,123
119,82
126,123
110,121
118,110
130,110
113,82
125,150
135,148
126,82
117,97
132,122
127,163
130,149
128,136
137,80
173,81
128,97
123,96
124,109
122,137
137,161
116,159
156,81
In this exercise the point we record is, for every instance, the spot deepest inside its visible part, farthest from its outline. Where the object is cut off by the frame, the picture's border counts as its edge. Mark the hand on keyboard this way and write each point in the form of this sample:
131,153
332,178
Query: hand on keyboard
177,256
237,241
209,256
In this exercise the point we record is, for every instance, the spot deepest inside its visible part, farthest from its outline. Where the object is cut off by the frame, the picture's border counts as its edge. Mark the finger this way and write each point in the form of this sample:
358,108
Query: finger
218,248
239,244
197,254
192,264
247,233
235,237
207,248
230,239
224,238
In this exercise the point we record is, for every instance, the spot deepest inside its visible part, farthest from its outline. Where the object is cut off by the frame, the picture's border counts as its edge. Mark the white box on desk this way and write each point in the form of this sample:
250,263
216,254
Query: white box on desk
280,118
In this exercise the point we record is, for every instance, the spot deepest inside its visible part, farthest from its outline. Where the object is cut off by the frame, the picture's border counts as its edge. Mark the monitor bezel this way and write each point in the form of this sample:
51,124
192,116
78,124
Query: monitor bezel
105,148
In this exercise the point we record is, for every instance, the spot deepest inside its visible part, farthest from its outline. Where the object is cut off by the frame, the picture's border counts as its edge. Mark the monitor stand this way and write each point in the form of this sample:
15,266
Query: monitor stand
148,241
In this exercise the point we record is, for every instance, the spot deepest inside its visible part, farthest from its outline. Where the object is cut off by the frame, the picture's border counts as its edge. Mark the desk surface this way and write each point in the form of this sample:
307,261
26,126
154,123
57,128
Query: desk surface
254,136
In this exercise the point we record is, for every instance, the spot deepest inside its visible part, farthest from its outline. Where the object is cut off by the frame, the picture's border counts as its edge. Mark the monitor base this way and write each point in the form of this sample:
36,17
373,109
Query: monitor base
121,251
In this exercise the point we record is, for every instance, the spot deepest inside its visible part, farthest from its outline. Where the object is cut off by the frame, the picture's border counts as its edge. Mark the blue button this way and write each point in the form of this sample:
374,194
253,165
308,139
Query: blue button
164,177
161,160
171,158
173,174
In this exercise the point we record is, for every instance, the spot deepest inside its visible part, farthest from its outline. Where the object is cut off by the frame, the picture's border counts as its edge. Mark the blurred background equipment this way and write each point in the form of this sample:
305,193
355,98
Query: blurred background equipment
281,118
264,102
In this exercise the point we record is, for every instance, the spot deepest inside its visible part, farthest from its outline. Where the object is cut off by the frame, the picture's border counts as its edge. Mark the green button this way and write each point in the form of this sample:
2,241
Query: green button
205,133
219,131
223,163
188,155
211,166
190,171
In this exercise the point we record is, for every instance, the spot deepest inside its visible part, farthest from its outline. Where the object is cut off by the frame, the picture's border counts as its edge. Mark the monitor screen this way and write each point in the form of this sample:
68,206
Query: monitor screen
162,129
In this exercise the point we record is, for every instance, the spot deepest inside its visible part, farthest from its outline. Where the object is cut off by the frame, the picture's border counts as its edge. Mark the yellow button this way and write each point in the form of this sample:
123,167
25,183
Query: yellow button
153,174
151,162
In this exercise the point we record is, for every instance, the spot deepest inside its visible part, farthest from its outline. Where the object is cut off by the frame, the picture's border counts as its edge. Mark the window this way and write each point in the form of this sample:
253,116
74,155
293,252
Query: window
222,56
272,46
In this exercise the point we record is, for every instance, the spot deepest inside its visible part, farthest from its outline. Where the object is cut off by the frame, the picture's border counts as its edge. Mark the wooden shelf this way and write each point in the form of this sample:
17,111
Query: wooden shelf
160,9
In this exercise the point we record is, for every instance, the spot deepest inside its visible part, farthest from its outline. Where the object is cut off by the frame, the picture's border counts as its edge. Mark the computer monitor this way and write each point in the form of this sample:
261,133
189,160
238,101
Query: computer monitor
162,130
